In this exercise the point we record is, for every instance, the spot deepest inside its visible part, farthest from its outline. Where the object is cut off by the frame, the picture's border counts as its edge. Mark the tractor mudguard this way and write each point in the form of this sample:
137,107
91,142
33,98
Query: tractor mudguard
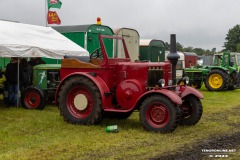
103,88
169,94
186,90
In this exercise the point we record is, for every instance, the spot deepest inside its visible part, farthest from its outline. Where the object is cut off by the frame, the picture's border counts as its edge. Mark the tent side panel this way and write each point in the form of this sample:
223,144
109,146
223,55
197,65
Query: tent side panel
76,37
4,62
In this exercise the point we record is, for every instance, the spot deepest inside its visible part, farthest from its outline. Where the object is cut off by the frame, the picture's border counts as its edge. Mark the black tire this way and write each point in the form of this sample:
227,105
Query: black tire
80,101
118,115
33,98
238,80
159,114
191,110
217,80
180,82
196,84
233,81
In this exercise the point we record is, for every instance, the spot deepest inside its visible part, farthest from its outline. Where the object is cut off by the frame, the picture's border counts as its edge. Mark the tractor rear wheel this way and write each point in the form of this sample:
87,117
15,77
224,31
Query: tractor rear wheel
33,98
159,114
217,80
80,101
233,81
191,110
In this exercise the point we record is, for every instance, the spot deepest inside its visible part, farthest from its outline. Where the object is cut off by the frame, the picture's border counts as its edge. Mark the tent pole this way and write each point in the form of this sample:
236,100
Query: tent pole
18,85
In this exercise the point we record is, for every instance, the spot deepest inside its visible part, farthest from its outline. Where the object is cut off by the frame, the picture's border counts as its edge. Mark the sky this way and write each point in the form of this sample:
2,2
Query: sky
196,23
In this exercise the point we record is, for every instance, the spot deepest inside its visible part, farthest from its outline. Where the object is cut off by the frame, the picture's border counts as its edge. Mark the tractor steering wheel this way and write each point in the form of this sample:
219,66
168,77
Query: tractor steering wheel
97,53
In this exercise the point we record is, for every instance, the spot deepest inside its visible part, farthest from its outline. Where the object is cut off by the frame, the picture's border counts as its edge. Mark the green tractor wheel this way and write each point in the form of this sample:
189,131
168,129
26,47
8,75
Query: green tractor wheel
197,84
217,80
33,98
233,81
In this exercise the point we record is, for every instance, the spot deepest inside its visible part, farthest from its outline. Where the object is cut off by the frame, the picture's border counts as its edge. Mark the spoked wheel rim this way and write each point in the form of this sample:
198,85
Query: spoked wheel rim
80,102
157,115
32,99
215,81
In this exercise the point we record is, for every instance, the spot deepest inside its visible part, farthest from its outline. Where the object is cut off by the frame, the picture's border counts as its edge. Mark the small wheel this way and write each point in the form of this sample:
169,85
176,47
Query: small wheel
196,84
191,109
159,114
80,101
180,82
33,98
97,53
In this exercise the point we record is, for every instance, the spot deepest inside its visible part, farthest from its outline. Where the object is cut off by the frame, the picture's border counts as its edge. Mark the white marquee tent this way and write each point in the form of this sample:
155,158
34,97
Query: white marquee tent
24,40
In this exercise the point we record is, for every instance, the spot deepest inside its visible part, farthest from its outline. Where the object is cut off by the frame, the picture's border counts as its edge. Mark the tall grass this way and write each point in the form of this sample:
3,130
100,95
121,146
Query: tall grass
33,134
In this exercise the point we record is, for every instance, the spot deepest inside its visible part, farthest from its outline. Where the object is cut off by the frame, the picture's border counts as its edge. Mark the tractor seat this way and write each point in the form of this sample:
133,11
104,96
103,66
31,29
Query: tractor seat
81,58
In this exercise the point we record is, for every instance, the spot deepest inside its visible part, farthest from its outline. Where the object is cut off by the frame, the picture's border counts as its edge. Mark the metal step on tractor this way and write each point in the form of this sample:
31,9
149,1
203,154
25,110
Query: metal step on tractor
222,75
99,86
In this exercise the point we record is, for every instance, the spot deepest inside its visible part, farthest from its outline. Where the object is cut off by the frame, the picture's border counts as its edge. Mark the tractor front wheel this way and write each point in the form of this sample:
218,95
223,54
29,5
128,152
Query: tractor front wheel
217,80
196,84
159,114
191,110
80,101
33,98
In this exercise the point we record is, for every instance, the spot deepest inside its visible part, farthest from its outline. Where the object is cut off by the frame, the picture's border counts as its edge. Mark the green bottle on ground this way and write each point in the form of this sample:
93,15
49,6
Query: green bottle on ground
112,128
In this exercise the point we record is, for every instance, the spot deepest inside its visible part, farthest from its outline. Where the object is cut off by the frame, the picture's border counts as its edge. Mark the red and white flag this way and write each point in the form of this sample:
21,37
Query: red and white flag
53,18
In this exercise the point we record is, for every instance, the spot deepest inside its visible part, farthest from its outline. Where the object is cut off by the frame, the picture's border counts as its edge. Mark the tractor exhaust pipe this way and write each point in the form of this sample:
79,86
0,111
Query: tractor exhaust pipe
173,57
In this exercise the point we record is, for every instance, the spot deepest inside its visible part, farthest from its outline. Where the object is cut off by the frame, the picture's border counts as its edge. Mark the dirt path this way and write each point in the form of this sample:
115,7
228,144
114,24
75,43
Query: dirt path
201,149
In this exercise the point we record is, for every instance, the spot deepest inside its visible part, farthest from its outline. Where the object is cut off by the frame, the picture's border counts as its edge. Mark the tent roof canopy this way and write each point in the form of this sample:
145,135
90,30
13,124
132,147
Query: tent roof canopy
24,40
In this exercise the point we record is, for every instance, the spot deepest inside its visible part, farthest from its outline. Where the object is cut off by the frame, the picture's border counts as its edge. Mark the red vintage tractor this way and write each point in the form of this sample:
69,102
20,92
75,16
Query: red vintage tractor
97,86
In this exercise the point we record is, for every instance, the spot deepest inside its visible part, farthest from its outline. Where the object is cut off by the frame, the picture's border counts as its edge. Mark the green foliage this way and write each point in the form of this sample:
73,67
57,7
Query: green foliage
188,49
40,135
238,47
167,46
199,51
232,39
179,47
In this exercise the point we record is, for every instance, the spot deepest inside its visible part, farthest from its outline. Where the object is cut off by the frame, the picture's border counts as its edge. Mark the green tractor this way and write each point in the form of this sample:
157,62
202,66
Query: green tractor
222,75
45,81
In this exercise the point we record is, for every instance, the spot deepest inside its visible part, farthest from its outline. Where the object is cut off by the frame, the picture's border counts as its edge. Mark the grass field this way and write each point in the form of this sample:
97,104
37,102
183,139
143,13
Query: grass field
33,134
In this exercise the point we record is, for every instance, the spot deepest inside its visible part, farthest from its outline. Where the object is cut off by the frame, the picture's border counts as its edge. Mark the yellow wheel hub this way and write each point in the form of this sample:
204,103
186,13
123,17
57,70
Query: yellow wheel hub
194,85
215,81
181,83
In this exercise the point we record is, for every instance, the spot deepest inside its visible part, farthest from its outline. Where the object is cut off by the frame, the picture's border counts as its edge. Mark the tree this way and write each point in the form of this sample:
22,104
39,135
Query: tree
232,39
199,51
238,47
208,52
167,46
213,50
188,49
179,47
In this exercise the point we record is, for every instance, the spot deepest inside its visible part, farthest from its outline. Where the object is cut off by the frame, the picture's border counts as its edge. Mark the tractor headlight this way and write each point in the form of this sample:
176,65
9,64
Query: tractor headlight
169,82
186,80
161,83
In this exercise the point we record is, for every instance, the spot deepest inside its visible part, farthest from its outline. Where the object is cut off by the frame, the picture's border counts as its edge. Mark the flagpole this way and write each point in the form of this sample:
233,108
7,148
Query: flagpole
46,12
